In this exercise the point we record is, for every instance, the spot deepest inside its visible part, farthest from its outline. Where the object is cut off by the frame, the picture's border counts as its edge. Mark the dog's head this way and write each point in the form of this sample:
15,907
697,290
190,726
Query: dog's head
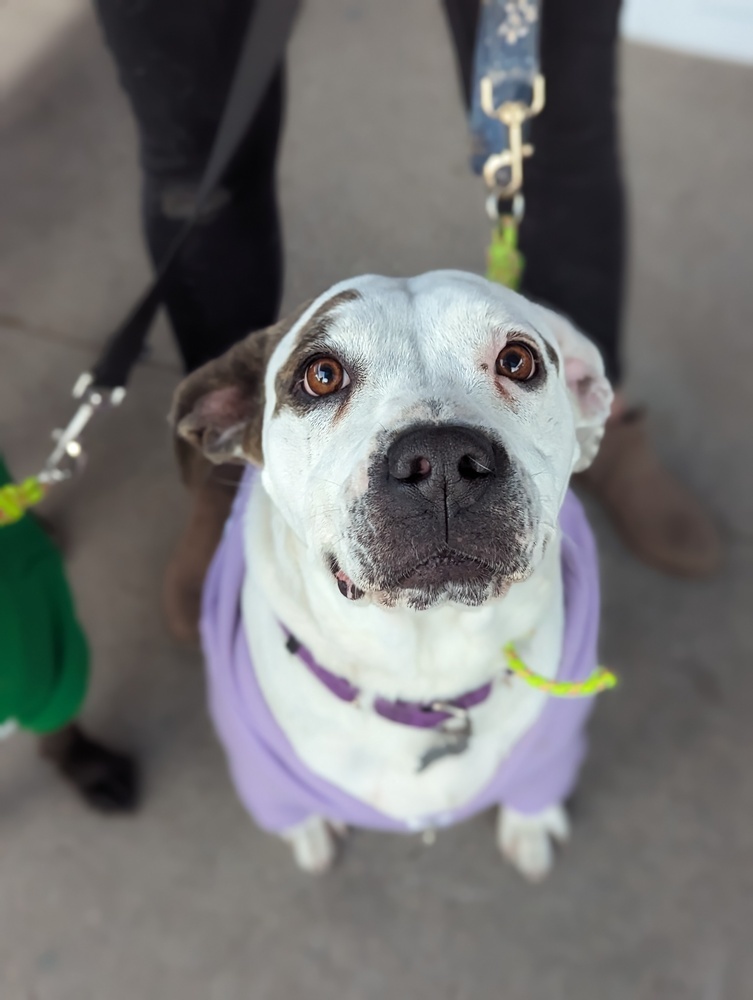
417,435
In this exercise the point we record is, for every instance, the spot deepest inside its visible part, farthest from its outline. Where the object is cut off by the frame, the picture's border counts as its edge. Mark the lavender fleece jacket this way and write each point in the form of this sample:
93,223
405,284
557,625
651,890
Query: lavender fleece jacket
276,786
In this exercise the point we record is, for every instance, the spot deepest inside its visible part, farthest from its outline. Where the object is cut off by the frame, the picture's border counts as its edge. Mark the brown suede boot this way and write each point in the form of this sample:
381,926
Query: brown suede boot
657,517
213,488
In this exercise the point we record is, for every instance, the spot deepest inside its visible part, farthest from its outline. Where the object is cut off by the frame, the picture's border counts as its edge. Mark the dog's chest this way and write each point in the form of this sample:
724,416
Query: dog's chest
376,760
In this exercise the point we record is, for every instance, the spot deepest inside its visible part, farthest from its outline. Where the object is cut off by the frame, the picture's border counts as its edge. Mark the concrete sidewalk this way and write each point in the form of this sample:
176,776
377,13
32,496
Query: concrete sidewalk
654,897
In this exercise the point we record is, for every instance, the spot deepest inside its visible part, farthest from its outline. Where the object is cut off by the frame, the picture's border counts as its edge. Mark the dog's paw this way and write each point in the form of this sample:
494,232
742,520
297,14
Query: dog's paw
526,840
314,844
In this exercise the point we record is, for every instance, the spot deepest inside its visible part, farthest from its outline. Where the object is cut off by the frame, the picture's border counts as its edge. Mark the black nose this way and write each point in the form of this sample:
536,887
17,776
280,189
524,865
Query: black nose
447,463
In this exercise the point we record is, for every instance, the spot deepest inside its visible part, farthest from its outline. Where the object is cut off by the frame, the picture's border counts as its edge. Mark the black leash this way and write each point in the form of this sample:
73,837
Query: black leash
267,32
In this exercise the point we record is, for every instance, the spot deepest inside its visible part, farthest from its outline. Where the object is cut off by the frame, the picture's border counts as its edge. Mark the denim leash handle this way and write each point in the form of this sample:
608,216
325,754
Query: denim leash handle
507,91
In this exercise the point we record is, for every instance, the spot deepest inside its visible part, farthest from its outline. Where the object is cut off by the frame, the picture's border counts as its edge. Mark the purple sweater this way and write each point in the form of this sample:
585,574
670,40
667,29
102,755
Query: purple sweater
277,787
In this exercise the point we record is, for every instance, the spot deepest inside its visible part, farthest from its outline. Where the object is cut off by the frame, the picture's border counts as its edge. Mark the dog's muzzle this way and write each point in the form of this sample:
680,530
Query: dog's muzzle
444,515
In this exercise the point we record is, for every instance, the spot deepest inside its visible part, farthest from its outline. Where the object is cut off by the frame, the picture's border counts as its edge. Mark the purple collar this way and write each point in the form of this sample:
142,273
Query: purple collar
407,713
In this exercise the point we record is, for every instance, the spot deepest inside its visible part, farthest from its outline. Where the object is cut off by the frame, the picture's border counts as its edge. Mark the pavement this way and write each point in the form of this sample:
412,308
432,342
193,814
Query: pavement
653,898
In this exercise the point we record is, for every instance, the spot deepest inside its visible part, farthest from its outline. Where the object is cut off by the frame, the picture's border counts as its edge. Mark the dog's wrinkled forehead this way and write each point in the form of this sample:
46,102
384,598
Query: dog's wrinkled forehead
426,332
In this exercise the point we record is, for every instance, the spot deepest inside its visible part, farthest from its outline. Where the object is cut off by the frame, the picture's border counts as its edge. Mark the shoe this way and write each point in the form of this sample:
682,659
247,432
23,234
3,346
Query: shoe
106,780
657,517
213,488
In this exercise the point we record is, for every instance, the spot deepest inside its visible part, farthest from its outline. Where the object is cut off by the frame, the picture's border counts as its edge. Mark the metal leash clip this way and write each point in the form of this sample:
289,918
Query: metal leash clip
505,204
513,115
68,457
459,722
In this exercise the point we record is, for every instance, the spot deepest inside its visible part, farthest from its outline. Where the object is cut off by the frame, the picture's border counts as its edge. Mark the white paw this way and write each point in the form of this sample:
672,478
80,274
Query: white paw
314,844
526,840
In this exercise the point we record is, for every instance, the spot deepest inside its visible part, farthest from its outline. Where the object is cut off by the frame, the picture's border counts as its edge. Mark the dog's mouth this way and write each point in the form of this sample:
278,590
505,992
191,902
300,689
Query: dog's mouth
445,569
345,585
446,566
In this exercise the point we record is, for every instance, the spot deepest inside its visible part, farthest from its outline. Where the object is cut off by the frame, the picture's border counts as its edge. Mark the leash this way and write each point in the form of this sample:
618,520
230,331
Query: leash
508,91
104,385
600,680
15,500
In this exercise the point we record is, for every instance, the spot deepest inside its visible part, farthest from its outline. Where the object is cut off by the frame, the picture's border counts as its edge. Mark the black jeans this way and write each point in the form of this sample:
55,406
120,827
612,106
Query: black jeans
175,61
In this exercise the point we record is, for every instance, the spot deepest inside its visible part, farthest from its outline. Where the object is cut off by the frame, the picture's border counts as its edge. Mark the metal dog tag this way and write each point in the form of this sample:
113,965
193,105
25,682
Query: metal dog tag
456,735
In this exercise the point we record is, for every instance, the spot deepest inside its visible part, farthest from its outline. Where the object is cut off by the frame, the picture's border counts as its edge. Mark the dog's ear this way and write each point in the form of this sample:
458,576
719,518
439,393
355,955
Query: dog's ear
588,387
219,408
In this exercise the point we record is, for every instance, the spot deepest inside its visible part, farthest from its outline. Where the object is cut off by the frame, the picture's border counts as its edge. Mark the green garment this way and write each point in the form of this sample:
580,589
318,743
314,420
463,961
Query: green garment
44,658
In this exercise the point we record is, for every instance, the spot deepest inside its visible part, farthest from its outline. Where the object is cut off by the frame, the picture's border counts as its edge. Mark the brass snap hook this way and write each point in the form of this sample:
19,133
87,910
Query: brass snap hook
512,114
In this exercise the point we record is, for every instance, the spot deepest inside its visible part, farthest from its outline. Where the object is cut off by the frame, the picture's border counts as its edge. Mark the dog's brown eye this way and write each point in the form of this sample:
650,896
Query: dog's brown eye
324,376
516,361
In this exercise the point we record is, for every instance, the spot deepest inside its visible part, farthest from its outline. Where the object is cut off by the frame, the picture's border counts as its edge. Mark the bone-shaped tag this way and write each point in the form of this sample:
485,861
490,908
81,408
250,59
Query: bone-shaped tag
453,743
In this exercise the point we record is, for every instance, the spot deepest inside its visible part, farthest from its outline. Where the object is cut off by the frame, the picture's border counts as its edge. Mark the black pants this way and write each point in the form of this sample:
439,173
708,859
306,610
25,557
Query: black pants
175,61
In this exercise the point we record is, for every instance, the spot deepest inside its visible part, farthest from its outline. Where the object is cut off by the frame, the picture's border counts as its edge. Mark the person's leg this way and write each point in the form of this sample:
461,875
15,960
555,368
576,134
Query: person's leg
229,278
175,62
572,237
572,234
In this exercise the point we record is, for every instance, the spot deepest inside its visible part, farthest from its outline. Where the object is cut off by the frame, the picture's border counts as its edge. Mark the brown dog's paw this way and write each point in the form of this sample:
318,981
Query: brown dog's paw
106,780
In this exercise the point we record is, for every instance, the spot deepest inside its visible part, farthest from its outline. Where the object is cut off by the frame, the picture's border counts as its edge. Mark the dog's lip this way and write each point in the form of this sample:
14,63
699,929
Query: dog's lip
446,565
344,583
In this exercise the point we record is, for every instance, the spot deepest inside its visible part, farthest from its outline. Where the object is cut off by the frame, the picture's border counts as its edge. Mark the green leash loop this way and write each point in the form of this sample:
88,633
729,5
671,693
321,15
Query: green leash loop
504,261
600,680
504,264
15,499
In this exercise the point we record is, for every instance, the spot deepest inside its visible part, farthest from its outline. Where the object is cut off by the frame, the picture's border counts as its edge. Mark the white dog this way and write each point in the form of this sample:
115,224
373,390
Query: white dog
416,439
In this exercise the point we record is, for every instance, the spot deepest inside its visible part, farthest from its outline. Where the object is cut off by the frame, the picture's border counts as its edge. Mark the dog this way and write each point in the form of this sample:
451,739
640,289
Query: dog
405,516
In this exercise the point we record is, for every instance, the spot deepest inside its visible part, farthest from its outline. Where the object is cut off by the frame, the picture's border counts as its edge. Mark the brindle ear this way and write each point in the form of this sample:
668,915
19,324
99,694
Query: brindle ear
219,408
